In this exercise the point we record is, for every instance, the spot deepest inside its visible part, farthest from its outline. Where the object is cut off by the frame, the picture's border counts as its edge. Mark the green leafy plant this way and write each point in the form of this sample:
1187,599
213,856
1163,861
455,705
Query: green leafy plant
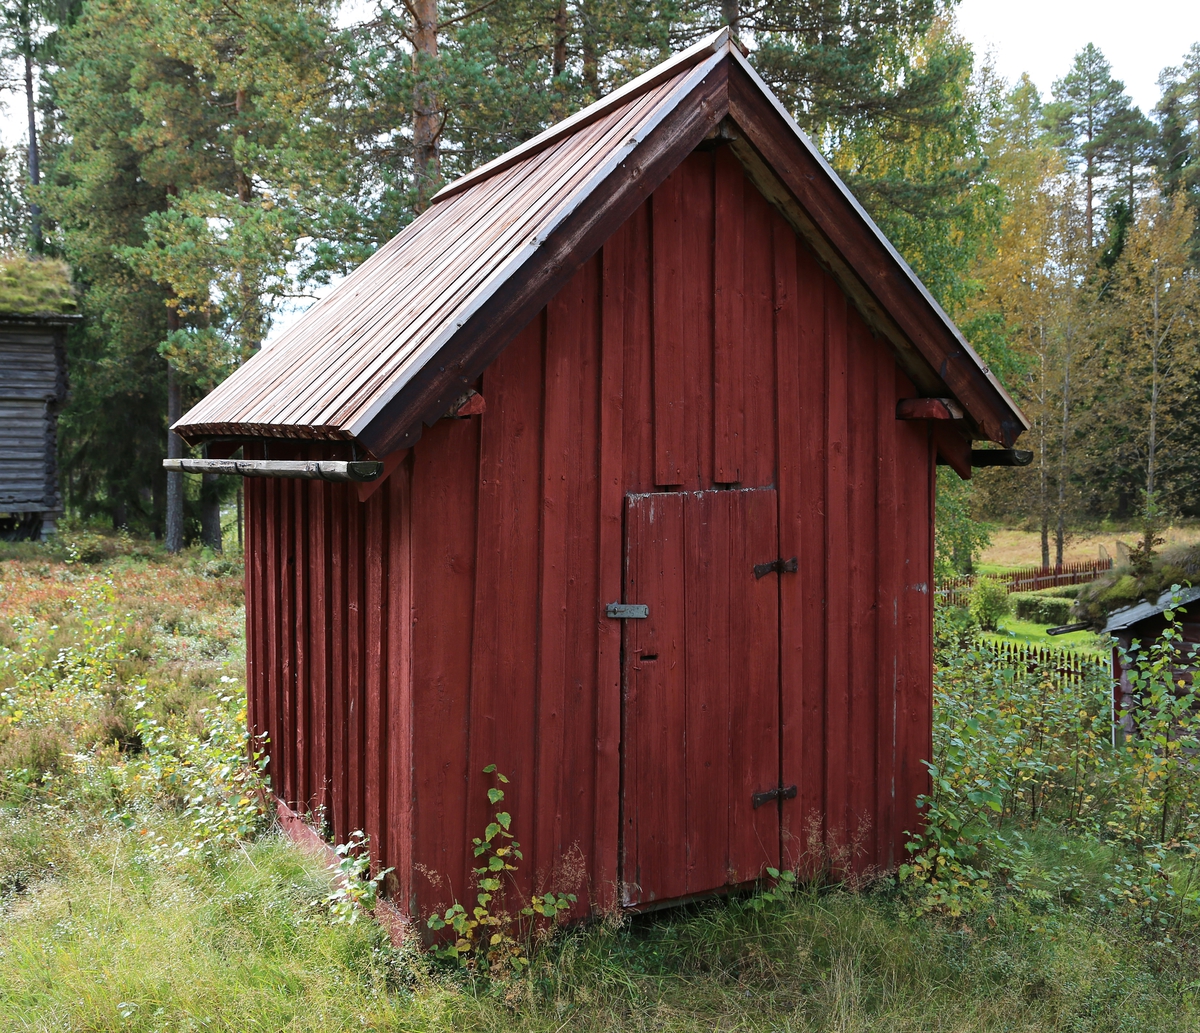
782,886
989,602
488,938
356,890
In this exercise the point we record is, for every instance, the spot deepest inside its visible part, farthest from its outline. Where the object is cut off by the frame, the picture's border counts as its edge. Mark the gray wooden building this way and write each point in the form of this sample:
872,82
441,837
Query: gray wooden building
33,387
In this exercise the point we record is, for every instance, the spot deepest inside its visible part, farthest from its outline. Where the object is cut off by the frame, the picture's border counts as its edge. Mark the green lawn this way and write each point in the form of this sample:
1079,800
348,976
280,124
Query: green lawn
1012,628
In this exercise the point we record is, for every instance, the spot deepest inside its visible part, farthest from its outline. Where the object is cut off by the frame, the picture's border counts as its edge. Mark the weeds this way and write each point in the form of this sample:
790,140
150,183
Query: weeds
489,939
1017,752
142,890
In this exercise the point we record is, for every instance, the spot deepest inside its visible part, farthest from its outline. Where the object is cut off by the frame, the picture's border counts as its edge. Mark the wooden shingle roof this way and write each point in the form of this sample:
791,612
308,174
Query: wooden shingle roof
397,342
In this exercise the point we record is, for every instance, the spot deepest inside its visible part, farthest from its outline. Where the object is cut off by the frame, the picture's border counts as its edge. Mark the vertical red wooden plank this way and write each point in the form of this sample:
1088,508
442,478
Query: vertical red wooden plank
607,787
758,449
253,558
654,810
638,378
272,573
890,589
399,814
711,735
287,645
753,606
669,350
377,741
339,784
728,318
303,635
319,621
569,369
916,454
863,577
505,640
584,606
444,500
354,687
696,202
800,390
837,547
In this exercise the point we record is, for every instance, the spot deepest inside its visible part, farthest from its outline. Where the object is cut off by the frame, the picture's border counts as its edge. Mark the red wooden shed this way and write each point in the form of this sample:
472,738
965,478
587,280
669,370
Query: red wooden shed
657,356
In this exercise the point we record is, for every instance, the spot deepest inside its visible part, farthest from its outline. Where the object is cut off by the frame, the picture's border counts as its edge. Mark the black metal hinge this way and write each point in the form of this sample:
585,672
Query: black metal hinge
767,795
780,566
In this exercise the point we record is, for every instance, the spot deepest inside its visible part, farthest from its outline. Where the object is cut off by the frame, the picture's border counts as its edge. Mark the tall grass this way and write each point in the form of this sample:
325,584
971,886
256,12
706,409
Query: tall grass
140,890
126,944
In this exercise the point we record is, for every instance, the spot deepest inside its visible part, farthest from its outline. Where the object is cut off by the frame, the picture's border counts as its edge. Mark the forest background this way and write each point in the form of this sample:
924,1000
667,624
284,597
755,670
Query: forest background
199,167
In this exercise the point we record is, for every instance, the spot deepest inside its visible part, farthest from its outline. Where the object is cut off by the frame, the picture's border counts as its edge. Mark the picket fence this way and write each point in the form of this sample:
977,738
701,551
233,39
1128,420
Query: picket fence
957,590
1061,666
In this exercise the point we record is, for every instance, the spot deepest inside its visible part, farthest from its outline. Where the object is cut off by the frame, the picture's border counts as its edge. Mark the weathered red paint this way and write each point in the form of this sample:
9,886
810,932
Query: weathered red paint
702,363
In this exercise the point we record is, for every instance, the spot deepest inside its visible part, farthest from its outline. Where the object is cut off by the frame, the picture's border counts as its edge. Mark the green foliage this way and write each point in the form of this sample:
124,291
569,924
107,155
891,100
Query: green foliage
489,939
957,536
1041,609
356,890
104,930
989,602
1019,751
783,885
1125,586
31,286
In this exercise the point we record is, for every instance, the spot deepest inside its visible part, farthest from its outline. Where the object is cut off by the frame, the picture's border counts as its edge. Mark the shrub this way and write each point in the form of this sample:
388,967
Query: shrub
1041,609
989,602
1061,591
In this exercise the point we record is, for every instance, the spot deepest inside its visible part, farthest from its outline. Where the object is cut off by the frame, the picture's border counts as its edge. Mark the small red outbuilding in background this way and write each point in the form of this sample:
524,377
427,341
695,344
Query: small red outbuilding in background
657,357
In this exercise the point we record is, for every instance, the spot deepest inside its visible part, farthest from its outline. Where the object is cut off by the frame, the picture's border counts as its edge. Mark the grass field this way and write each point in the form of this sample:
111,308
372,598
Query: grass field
1011,549
1015,629
129,905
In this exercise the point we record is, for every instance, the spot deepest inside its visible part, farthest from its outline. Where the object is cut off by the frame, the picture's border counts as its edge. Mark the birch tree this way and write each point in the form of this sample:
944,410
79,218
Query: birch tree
1157,305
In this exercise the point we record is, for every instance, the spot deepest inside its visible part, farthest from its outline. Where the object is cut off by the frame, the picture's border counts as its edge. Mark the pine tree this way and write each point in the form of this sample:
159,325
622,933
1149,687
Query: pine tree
1178,157
1084,117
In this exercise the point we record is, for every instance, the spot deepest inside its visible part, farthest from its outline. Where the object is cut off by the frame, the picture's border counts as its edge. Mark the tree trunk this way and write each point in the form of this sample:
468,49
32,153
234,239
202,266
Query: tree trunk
731,14
427,127
1152,437
35,175
210,511
1060,533
591,59
561,29
174,536
1043,469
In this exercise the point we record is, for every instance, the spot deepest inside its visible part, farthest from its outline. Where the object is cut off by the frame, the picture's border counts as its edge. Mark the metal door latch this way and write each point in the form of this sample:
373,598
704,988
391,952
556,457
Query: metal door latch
767,795
627,611
779,566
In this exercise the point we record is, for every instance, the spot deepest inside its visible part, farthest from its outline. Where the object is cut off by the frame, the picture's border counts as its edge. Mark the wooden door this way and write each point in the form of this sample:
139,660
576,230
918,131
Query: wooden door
701,708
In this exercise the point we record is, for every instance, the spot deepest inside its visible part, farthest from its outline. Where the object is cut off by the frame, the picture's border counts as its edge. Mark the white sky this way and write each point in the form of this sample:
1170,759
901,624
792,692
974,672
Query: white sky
1139,37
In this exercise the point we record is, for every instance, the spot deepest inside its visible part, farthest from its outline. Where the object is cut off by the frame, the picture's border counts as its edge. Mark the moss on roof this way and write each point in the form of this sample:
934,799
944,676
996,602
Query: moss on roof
1124,586
34,286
